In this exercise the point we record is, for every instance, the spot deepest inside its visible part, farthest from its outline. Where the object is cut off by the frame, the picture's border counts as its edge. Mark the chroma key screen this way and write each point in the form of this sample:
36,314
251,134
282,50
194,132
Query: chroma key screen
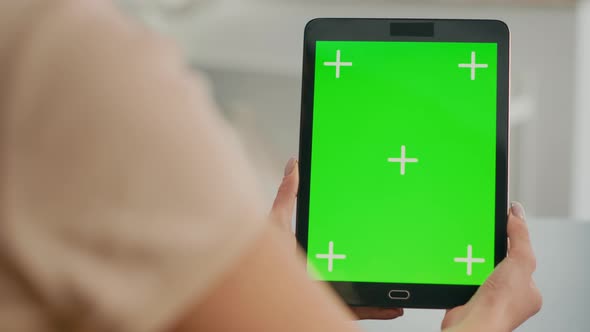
403,162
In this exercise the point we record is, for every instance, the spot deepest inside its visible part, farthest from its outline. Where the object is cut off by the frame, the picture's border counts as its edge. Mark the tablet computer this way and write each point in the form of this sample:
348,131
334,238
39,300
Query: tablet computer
404,158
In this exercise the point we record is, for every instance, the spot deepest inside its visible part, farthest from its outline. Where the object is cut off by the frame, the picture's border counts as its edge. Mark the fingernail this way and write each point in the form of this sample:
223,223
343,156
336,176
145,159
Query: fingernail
518,210
290,166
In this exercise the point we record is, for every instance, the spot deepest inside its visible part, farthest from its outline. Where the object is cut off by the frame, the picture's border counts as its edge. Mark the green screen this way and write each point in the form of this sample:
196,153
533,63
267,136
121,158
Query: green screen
403,162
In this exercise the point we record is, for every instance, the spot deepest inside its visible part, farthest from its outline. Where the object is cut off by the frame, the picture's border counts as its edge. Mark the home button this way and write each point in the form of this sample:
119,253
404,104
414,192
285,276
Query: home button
396,294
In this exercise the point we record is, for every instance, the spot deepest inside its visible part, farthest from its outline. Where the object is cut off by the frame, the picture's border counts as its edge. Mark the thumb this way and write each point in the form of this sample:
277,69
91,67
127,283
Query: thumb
284,204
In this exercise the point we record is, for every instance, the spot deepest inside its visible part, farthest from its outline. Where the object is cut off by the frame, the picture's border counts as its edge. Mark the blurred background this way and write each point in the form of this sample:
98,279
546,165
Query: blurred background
251,51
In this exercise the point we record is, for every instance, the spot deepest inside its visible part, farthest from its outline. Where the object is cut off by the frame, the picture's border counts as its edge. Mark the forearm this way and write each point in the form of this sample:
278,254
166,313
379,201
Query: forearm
488,319
474,327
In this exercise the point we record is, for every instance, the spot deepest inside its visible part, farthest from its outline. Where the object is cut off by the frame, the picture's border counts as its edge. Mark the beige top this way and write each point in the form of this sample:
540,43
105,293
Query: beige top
123,194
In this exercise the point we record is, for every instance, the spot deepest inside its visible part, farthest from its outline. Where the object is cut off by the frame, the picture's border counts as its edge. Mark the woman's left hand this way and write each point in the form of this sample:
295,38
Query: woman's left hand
282,214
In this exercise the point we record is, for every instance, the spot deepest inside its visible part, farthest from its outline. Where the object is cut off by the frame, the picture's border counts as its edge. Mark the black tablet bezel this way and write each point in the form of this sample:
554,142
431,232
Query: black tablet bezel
427,30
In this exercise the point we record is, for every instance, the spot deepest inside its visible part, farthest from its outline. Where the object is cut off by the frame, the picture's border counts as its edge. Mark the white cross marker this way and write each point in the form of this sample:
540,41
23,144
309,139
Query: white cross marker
469,260
338,64
403,160
473,65
330,256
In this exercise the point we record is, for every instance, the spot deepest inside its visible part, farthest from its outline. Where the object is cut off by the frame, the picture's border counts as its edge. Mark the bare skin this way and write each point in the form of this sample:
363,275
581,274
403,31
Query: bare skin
510,292
268,289
514,273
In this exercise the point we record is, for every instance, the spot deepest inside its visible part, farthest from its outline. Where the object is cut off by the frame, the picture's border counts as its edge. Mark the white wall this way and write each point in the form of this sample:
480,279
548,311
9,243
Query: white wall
581,170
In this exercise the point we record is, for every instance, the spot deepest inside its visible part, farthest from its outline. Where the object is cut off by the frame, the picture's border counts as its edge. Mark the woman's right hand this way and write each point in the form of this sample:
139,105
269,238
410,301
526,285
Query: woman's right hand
509,296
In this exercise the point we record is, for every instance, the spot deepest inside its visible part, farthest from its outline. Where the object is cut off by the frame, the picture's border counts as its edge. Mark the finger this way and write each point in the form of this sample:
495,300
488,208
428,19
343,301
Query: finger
284,203
518,234
377,313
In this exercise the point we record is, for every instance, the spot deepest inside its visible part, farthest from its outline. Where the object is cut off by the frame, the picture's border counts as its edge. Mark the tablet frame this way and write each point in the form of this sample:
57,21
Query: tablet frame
443,30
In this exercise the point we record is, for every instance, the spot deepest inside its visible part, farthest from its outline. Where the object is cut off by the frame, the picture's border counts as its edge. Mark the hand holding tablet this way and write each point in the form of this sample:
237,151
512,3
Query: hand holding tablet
507,298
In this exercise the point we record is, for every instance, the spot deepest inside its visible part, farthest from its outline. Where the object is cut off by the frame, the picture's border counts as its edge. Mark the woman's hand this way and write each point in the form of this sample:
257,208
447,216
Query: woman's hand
509,296
282,214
